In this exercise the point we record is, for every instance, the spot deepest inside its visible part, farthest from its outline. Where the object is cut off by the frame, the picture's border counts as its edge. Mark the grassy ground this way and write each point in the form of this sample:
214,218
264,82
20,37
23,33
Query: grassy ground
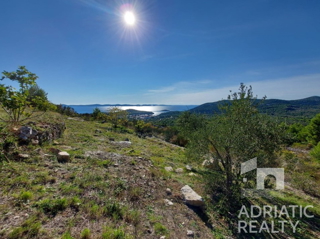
108,190
117,190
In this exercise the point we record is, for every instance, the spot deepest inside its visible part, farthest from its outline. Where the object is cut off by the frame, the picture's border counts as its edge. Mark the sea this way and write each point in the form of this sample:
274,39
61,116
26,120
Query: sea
156,109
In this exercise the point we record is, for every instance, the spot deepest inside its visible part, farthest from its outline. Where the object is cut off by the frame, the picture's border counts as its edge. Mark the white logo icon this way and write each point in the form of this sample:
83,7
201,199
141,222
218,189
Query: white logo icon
262,173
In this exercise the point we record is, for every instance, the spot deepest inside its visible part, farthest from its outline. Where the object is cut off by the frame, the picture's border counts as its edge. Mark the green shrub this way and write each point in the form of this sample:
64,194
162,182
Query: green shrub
105,163
86,234
134,193
95,211
315,152
111,233
25,196
67,235
160,229
75,202
133,217
29,229
52,207
114,210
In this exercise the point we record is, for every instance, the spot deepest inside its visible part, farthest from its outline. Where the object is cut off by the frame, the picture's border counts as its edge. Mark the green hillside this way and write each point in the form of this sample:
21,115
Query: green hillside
115,186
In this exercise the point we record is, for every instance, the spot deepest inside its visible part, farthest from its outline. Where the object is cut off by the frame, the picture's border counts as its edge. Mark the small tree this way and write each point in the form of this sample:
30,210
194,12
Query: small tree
96,113
117,116
15,102
236,135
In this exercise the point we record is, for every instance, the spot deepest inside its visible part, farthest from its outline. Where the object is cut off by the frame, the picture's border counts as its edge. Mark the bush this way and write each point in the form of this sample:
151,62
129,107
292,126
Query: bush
111,233
29,229
160,229
66,110
67,235
52,207
114,210
315,152
86,234
25,196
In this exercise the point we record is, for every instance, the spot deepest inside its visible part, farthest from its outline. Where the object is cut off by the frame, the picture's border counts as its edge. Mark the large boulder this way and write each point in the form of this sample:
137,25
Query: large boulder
191,197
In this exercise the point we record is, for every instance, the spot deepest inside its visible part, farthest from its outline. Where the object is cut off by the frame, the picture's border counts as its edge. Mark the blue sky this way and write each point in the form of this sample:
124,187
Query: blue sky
178,52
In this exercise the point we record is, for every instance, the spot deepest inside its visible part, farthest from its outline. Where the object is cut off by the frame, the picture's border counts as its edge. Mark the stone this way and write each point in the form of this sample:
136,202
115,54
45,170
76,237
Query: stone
188,167
45,132
168,202
34,141
191,197
190,233
179,170
125,143
168,169
163,237
27,133
168,191
63,157
207,163
98,131
192,174
23,156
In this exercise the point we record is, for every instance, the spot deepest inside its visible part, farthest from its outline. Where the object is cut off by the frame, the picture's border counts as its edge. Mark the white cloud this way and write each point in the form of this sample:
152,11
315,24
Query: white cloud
290,88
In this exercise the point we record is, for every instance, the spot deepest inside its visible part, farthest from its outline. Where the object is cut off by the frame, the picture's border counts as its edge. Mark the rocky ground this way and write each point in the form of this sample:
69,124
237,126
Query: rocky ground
114,185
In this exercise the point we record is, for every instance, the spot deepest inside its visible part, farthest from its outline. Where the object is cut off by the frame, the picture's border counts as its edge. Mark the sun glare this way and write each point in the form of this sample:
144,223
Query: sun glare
129,18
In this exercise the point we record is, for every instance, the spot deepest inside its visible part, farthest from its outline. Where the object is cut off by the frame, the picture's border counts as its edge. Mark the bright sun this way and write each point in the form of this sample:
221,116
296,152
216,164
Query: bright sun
129,18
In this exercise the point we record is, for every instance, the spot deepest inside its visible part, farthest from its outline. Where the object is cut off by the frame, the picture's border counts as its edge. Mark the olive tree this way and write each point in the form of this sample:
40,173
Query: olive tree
237,134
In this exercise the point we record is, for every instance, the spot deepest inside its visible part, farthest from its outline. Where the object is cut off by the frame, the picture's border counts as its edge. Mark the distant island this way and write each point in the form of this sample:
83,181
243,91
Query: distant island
138,112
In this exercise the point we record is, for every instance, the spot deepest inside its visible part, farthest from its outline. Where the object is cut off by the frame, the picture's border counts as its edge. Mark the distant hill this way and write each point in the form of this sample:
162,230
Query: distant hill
294,110
307,107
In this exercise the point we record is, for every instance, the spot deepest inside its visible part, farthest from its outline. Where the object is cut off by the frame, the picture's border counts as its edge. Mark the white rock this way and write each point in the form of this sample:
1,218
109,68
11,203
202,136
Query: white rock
168,191
168,202
179,170
191,197
23,156
190,233
163,237
127,143
63,157
207,162
34,142
168,169
188,167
